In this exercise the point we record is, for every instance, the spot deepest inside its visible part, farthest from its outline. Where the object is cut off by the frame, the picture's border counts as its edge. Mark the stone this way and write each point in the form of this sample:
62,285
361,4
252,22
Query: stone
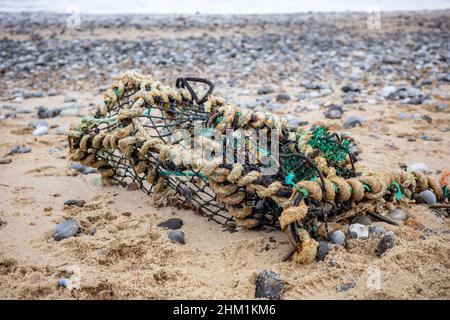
362,219
176,236
313,107
40,131
389,92
427,197
69,99
294,121
269,285
172,224
441,106
38,123
66,229
283,97
350,88
334,112
337,237
61,130
44,113
64,282
345,287
322,250
358,231
376,230
386,242
353,121
265,90
397,214
19,149
74,202
70,112
4,160
419,166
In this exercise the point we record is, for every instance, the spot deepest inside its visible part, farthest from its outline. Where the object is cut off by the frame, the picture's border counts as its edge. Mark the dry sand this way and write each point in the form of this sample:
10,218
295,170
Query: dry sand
123,256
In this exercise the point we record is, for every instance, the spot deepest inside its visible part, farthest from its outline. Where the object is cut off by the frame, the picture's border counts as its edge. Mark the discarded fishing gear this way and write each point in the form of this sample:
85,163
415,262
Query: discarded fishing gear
298,181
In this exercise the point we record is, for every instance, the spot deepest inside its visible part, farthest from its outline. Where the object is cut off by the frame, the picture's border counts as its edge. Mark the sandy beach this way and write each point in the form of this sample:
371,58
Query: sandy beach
395,80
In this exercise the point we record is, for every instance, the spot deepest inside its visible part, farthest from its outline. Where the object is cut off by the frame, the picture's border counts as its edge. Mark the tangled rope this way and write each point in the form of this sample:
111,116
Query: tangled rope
133,136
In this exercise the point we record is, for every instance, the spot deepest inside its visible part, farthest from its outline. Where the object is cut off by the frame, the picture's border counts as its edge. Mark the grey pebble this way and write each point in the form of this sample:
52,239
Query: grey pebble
397,214
4,160
322,250
386,242
19,149
362,219
353,121
338,237
66,229
265,90
376,230
427,197
176,236
283,97
74,202
172,224
268,285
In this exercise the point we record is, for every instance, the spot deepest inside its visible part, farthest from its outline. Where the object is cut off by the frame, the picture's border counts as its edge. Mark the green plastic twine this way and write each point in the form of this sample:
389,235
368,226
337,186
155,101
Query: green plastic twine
290,180
398,194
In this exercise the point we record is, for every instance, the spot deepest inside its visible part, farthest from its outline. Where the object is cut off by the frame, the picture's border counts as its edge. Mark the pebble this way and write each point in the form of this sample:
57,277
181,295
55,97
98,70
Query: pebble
265,90
269,285
4,160
70,112
69,99
44,113
19,149
338,237
283,97
40,131
353,121
322,250
334,112
376,230
38,123
386,242
362,219
397,214
358,231
350,88
176,236
61,130
441,106
64,282
419,166
389,92
313,107
427,197
74,202
82,168
294,121
345,287
172,224
66,229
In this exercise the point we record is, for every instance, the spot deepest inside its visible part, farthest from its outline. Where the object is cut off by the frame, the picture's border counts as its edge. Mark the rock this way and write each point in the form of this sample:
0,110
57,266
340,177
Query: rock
387,242
349,99
353,121
70,112
414,223
313,107
265,90
345,287
419,166
322,250
294,121
350,88
283,97
4,160
358,231
389,92
172,224
19,149
66,229
38,123
83,169
39,131
397,214
132,186
176,236
376,230
427,197
61,130
44,113
74,202
69,99
362,219
338,237
441,106
64,282
268,285
334,112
